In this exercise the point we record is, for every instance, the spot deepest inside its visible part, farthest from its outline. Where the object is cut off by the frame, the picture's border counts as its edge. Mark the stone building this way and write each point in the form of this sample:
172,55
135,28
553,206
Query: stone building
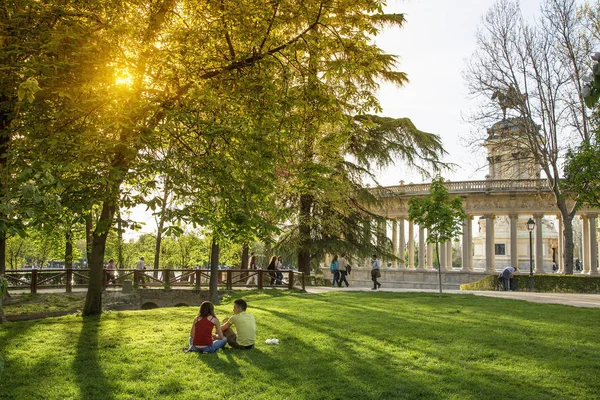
507,160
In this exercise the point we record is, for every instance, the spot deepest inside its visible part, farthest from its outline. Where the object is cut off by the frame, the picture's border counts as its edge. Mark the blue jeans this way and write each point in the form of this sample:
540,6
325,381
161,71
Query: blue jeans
217,344
336,278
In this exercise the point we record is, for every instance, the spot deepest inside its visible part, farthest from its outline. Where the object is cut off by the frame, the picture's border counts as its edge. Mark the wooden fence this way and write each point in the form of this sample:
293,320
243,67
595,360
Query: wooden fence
70,278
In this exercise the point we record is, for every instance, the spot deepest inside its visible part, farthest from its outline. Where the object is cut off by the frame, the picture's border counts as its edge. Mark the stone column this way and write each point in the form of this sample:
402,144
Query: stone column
429,264
395,240
470,241
443,258
560,255
514,252
466,244
593,245
449,254
539,244
402,244
490,248
381,240
411,244
421,247
586,244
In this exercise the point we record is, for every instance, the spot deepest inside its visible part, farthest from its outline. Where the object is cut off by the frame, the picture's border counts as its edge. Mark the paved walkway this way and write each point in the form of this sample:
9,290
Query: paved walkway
570,299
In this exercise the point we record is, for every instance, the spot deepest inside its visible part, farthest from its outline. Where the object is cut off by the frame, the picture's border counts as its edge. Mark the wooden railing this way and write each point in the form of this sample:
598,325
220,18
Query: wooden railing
70,278
487,186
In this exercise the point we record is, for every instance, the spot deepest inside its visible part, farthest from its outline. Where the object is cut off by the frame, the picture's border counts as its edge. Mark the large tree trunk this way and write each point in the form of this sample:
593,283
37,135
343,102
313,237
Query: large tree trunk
120,258
304,229
568,246
214,270
93,301
245,250
89,237
2,252
68,248
161,225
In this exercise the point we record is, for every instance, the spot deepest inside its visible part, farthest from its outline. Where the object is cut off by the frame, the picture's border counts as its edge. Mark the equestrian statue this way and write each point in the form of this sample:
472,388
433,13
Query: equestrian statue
509,99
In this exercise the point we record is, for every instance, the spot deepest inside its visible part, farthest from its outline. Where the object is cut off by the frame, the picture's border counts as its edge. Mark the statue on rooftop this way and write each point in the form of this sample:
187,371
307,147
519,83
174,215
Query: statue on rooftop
509,99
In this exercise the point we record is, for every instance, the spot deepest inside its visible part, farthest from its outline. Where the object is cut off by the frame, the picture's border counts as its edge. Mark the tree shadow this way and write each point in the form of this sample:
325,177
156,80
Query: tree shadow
89,375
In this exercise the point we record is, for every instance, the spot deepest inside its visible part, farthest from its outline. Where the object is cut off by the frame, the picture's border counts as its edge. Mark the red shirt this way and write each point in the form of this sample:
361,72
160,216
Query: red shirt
203,332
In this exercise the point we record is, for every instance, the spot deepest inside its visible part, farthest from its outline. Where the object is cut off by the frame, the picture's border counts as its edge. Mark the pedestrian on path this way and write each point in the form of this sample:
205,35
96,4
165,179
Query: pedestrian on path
343,267
375,272
334,268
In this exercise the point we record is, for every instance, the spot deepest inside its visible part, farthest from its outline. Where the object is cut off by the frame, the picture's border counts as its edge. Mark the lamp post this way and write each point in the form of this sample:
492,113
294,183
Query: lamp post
530,227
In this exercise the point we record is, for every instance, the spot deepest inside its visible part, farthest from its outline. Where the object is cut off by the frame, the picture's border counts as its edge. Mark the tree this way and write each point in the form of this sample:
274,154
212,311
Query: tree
440,213
541,65
3,292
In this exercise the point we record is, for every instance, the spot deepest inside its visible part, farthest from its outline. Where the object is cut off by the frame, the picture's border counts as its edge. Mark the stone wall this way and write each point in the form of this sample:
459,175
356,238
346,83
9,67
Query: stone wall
402,278
154,298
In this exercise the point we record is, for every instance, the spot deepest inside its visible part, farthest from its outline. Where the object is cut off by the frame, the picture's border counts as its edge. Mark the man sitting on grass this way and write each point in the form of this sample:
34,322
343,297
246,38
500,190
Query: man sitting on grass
244,324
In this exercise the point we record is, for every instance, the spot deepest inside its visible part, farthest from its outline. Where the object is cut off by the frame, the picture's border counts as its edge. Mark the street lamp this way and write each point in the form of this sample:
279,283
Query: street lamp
530,227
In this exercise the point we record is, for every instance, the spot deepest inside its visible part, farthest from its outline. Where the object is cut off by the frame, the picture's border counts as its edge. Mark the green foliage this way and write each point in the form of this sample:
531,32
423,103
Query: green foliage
555,283
487,283
582,174
464,347
440,213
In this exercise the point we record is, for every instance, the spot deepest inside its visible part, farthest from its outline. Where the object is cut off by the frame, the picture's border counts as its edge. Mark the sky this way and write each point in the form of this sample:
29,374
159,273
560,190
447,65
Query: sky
438,37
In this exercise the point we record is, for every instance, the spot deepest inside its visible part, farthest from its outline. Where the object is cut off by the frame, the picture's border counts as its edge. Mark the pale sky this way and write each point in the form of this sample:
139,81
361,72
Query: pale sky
438,37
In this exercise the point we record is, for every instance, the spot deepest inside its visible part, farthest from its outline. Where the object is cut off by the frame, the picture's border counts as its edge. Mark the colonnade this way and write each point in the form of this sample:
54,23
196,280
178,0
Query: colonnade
400,225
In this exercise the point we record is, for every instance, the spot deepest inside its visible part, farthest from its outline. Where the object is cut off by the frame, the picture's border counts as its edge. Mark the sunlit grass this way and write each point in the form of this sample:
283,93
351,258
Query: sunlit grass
39,303
351,345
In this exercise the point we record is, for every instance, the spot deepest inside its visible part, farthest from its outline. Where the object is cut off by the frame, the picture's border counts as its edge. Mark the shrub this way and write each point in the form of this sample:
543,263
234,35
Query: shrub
554,283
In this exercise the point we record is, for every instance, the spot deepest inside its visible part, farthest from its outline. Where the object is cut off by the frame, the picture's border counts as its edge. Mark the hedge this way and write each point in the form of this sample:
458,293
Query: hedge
555,283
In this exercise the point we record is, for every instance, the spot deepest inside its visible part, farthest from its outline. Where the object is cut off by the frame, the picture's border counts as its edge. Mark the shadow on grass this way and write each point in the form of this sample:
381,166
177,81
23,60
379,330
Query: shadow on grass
89,375
435,344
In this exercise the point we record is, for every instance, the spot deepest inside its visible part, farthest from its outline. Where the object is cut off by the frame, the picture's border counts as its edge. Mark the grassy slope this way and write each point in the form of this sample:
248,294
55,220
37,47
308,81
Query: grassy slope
333,346
39,303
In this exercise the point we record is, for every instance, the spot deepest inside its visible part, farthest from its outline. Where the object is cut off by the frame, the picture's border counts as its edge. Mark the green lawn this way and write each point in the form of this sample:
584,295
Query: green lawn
339,345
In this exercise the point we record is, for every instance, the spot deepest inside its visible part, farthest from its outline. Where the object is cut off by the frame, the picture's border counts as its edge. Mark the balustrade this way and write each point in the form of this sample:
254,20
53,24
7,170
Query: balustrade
36,279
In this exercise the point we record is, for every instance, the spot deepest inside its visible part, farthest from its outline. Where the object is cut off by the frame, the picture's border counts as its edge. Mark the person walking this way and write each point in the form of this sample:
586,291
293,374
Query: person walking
252,267
279,267
334,268
110,271
375,272
271,268
141,267
343,266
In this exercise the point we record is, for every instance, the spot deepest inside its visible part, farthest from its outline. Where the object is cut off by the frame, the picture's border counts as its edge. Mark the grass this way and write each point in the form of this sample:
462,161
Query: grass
338,345
40,303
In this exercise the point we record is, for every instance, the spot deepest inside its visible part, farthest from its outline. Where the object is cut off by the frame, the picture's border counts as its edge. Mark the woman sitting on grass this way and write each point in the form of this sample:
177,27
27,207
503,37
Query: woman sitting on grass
201,335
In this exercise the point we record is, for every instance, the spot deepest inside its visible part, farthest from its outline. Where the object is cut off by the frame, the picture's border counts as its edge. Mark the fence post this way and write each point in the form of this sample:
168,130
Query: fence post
303,282
291,280
167,278
198,276
229,284
34,279
260,279
69,280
